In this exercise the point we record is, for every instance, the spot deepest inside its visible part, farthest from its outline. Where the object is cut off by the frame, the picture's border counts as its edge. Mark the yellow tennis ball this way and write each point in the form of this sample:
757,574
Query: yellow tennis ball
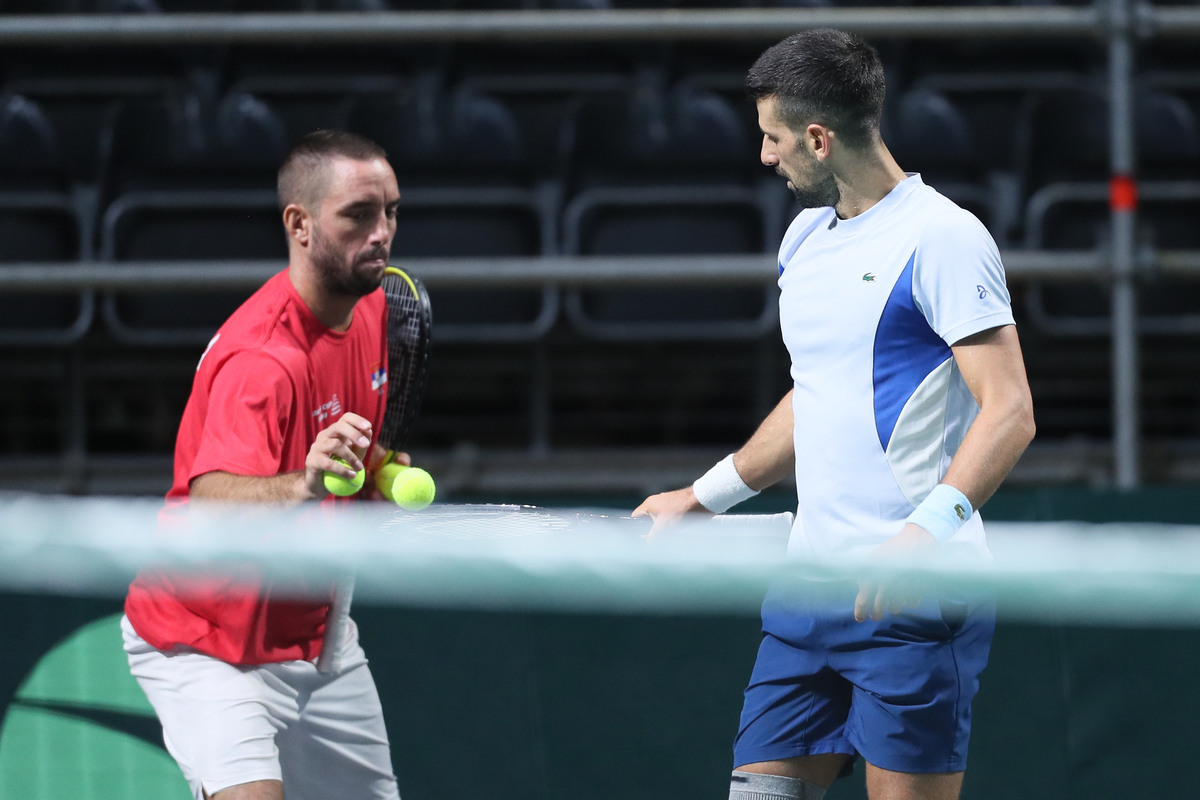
412,489
344,487
385,477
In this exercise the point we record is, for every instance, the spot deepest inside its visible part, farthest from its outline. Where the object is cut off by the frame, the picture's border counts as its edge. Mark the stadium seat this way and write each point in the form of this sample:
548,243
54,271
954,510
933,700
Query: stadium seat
191,135
440,135
255,6
1077,217
41,220
78,6
929,133
471,188
667,171
737,3
1071,129
1069,209
190,177
466,191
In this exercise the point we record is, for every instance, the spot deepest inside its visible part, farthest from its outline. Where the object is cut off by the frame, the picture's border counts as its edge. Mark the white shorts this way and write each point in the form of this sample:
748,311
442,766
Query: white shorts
321,734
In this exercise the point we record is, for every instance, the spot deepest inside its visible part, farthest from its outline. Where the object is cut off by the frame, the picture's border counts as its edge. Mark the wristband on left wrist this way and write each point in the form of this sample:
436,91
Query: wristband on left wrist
942,512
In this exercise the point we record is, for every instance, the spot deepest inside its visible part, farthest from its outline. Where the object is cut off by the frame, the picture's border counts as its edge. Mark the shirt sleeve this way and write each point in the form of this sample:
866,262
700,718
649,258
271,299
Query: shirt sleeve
958,279
251,405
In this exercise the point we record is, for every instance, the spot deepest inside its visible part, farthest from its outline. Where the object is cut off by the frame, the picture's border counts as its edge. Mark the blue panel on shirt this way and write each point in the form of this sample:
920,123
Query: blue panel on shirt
906,351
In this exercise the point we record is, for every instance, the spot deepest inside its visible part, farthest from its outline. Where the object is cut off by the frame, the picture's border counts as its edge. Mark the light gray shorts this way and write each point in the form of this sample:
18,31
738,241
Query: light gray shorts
321,734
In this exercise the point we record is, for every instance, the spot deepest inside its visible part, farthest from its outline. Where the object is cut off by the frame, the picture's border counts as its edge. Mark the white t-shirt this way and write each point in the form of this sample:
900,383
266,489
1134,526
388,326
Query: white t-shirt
869,307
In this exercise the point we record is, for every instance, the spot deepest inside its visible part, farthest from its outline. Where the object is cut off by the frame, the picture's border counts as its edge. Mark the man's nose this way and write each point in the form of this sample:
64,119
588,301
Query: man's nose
382,232
768,156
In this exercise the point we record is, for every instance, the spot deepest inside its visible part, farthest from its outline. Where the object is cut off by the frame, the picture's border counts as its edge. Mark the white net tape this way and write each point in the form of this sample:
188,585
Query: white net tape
520,557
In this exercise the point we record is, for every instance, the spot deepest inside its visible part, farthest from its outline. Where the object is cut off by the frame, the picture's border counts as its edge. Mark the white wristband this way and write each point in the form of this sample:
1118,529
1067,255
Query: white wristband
942,512
722,487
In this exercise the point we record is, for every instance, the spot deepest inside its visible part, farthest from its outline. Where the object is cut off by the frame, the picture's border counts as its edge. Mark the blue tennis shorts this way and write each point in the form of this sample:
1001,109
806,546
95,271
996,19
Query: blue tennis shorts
897,692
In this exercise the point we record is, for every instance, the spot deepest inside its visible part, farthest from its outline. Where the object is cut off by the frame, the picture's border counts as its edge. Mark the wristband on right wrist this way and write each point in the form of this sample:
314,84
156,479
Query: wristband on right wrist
722,487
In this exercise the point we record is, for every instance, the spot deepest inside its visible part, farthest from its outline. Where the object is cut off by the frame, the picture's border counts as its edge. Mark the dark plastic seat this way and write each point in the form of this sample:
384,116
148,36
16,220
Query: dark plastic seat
256,6
191,177
466,191
1070,136
78,6
1070,209
667,171
440,136
41,220
928,133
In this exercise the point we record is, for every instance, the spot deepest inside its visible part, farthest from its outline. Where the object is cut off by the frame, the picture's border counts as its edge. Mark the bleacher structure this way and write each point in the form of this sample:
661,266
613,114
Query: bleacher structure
581,192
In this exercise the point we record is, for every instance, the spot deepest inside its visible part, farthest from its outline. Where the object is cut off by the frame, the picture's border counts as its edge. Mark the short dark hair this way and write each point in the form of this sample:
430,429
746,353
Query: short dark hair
303,178
827,76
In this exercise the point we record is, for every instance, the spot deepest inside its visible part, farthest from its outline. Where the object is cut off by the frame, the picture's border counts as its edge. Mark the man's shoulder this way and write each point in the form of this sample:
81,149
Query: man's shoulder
941,215
803,226
267,317
808,220
263,330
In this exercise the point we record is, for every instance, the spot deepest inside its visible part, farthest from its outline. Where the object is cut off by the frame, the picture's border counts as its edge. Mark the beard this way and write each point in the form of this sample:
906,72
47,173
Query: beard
821,192
335,278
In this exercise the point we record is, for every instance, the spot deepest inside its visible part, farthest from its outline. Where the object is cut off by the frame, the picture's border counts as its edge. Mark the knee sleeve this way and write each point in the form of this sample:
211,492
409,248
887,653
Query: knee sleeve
753,786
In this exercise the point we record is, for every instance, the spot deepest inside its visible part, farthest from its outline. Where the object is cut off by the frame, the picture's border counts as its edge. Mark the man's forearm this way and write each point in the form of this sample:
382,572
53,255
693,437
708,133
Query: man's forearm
994,371
286,489
991,448
769,455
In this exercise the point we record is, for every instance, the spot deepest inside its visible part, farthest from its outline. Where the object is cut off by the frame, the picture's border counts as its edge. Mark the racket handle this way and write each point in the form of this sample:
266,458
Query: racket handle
335,625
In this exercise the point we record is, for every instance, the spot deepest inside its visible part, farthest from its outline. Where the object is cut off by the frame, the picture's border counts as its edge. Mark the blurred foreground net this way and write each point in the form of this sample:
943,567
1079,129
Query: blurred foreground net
578,559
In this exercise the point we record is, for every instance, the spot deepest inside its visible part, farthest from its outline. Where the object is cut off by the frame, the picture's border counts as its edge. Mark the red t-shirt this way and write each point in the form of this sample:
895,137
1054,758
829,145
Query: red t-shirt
271,379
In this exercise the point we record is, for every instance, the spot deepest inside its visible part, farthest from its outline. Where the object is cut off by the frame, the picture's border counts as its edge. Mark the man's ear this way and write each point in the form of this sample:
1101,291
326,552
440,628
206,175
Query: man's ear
298,224
819,141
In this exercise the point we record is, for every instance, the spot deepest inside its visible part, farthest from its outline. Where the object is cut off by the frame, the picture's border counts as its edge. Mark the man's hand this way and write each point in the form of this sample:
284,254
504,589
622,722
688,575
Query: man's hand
348,439
667,508
896,593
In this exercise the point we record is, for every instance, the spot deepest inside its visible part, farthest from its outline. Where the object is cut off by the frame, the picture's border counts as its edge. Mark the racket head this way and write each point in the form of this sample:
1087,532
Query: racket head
409,337
479,521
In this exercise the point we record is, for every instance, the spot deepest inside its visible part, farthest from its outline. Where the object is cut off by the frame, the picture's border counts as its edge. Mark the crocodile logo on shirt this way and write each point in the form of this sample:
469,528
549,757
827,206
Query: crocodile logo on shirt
869,277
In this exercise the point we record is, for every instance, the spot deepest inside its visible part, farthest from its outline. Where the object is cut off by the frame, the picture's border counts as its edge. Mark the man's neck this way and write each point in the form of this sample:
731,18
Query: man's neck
868,179
334,312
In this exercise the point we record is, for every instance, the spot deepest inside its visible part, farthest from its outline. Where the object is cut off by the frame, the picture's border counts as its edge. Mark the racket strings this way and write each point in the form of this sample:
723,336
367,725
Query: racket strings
476,524
407,346
501,521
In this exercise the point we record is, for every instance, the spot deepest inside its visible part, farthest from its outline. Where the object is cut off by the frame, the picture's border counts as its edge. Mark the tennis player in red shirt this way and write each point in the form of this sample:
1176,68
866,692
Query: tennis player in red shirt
294,378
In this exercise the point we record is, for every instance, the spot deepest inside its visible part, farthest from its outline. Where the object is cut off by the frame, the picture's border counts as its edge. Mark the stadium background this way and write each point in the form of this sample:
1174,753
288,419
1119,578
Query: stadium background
586,206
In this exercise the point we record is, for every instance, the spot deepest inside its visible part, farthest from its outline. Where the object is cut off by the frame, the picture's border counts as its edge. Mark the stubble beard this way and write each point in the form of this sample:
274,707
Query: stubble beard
822,192
338,280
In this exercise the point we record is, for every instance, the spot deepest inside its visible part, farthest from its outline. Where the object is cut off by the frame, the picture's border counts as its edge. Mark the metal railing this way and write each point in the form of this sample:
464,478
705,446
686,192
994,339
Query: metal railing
512,273
326,28
1119,24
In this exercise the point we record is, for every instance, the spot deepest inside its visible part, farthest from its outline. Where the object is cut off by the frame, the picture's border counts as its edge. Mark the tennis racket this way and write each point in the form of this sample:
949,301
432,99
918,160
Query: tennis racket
503,521
409,328
408,333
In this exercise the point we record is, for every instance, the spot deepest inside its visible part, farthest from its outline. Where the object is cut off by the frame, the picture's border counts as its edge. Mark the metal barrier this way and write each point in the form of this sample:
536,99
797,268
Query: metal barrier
1117,23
